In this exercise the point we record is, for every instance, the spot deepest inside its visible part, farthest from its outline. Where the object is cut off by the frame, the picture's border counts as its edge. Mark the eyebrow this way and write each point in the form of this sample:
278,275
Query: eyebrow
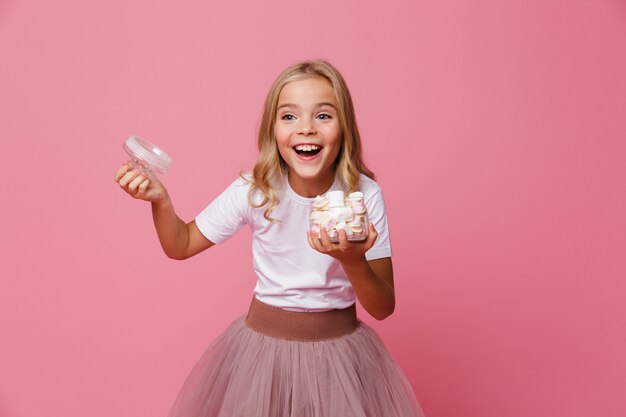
317,105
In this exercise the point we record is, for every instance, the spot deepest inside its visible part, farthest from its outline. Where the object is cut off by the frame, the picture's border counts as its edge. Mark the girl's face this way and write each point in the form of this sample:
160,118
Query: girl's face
308,134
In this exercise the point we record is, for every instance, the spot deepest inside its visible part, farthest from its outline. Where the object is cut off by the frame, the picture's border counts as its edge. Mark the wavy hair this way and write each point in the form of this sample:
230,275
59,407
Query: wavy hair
270,167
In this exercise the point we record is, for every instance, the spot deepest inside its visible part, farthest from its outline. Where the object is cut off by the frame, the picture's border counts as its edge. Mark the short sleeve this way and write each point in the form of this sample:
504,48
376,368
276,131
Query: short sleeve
226,214
375,205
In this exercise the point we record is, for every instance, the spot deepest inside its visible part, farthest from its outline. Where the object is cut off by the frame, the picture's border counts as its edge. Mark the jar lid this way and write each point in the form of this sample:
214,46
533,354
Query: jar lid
148,154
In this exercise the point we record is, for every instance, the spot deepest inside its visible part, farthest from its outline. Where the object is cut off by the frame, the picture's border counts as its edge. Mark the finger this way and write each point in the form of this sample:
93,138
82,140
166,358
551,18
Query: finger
120,172
311,239
134,184
317,242
373,230
325,240
127,178
343,239
373,234
143,186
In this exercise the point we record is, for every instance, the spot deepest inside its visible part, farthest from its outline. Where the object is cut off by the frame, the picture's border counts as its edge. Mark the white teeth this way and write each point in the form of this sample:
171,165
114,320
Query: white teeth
307,147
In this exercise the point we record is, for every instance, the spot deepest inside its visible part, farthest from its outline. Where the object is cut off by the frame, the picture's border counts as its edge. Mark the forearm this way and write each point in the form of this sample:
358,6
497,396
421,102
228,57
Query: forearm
172,231
376,295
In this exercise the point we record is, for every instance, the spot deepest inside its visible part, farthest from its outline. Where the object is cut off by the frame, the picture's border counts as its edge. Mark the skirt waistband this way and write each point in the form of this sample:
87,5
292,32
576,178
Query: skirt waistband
301,326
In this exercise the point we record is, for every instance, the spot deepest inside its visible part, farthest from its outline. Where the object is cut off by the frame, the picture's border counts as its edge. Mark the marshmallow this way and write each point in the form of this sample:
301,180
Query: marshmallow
335,212
346,227
336,198
320,203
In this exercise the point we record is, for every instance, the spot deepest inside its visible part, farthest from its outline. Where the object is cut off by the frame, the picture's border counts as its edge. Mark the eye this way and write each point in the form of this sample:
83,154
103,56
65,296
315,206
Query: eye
287,117
324,116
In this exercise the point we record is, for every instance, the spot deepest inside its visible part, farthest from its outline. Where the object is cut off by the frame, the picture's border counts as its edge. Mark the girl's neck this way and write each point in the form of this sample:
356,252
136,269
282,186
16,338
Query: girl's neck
310,188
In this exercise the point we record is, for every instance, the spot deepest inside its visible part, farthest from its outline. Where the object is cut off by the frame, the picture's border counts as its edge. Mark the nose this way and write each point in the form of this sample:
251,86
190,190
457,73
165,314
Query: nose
306,127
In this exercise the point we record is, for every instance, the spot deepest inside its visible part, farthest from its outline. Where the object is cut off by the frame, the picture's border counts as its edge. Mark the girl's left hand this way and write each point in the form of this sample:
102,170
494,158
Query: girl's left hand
344,251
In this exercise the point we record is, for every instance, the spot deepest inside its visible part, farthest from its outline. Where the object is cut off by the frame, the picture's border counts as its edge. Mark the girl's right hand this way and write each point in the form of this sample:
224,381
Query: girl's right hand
143,185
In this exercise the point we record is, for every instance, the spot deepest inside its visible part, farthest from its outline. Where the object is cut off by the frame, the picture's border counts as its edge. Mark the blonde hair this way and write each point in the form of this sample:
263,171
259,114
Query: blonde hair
270,167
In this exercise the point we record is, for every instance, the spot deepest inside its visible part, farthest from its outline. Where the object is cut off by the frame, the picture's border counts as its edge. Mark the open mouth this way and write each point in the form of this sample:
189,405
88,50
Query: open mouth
307,150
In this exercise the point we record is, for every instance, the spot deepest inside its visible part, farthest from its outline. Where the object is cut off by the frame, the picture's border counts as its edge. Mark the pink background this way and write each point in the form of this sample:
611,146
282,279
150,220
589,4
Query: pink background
498,133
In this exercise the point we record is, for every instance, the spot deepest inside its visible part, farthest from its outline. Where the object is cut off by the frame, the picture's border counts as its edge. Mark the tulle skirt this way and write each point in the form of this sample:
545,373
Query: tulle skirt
278,363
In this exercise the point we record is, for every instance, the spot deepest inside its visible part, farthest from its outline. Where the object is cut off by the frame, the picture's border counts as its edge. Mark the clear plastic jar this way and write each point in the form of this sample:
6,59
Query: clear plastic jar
335,212
147,156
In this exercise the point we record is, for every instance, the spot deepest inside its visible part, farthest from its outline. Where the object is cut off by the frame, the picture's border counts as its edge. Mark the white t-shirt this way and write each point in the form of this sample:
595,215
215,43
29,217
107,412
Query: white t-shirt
291,275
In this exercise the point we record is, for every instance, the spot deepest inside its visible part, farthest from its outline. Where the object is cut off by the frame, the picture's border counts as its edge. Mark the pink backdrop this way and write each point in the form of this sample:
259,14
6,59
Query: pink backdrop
498,133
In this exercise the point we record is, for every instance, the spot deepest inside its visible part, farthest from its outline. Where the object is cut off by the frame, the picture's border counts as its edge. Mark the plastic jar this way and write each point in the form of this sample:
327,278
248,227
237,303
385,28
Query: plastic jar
335,212
146,155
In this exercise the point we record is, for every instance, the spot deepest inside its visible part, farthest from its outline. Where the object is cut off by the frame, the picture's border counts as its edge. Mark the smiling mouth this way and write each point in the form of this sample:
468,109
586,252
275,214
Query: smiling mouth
307,149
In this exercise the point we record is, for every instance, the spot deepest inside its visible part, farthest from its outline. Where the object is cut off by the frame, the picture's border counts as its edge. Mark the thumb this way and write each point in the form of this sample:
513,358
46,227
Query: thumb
373,234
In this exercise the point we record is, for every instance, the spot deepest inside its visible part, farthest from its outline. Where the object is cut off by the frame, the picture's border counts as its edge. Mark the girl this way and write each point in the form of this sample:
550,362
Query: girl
300,351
